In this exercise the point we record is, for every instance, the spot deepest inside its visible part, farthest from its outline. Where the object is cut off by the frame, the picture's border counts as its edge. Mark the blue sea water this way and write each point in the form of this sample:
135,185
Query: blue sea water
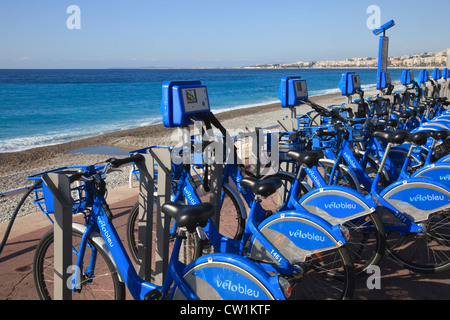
44,107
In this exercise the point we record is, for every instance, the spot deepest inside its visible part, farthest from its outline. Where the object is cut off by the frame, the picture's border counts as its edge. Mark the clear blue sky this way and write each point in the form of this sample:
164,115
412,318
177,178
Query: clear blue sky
210,33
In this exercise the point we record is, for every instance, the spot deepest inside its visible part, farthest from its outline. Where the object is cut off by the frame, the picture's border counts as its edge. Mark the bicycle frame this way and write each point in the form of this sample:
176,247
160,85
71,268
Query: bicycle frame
256,215
381,198
100,221
258,284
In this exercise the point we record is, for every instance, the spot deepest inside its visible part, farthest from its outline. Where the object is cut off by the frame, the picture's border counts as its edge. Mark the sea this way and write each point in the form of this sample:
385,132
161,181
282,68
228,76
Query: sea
46,107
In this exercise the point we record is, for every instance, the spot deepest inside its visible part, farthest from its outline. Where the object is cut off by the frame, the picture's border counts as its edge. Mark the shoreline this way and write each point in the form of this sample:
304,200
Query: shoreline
15,167
131,139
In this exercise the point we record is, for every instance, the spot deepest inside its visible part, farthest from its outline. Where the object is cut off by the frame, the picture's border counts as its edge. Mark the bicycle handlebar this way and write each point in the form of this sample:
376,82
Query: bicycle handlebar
322,133
76,176
119,162
115,163
334,113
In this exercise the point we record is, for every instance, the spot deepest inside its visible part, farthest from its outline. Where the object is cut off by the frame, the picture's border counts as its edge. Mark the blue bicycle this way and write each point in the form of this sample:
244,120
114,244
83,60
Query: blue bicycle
319,270
407,222
102,269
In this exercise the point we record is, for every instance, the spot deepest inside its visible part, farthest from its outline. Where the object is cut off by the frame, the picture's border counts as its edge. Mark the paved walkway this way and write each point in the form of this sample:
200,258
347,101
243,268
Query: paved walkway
16,260
16,279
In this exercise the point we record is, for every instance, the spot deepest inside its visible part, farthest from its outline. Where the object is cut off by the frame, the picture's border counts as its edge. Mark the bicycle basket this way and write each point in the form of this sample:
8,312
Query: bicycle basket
290,141
323,142
80,192
357,133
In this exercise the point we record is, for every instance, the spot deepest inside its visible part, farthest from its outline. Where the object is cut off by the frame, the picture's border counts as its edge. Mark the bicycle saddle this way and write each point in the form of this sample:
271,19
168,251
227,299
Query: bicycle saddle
383,123
439,135
310,158
397,137
419,138
418,109
264,187
189,216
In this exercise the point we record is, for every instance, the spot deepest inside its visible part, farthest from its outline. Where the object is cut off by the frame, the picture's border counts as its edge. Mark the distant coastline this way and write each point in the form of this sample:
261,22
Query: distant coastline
337,68
415,61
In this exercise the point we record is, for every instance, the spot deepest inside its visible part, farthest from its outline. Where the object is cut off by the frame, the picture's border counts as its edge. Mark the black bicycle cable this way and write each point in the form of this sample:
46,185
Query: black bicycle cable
16,211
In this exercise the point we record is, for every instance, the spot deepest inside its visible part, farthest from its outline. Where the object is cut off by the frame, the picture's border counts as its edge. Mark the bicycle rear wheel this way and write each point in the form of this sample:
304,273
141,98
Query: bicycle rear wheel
367,243
103,284
328,276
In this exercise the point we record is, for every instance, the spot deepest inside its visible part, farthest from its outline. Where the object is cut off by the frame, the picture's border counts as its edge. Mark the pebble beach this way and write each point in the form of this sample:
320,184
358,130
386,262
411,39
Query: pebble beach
15,167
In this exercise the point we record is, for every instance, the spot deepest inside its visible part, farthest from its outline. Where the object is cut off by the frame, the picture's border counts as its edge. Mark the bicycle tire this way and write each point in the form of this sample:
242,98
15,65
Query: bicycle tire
321,283
187,253
276,201
43,271
367,243
226,226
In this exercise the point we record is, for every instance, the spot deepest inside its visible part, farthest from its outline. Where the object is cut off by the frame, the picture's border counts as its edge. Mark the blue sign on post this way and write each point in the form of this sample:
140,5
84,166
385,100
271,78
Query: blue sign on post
292,92
407,77
422,77
350,83
182,100
383,77
445,73
436,75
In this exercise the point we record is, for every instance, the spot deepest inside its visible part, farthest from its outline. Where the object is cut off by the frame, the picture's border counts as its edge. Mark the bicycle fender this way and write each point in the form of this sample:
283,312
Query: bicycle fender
428,127
337,204
221,276
296,235
441,119
437,171
398,154
444,159
98,240
417,198
439,125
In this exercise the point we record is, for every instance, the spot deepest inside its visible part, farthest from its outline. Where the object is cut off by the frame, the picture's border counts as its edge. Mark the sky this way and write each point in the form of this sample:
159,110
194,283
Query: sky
210,33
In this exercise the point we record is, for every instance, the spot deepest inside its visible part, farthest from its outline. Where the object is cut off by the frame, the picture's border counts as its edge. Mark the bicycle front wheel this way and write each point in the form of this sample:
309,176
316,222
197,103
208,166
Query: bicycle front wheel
98,280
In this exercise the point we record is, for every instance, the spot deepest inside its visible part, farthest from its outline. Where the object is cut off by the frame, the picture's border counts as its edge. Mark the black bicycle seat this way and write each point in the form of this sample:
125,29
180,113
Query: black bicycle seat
397,137
440,134
264,187
189,216
419,138
403,114
310,158
418,109
383,123
392,122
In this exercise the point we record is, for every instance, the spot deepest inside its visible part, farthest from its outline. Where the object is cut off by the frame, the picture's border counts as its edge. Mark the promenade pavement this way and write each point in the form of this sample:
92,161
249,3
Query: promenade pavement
16,278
